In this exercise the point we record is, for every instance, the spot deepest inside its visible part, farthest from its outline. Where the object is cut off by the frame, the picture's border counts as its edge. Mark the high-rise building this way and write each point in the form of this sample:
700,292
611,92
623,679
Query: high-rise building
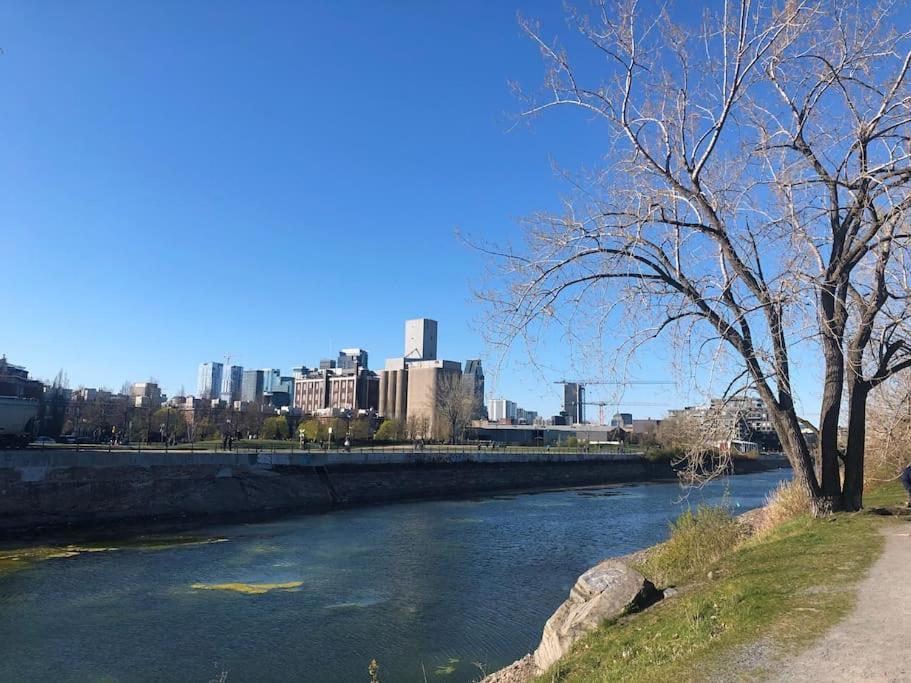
350,359
473,381
272,378
277,390
208,382
327,364
574,402
421,339
232,379
252,386
502,409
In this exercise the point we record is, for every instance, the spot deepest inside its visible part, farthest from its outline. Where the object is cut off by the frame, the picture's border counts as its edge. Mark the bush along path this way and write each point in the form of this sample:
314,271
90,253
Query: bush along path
752,609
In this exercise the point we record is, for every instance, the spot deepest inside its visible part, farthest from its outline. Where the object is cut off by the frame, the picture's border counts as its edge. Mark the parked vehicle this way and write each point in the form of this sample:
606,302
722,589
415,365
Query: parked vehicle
17,421
43,441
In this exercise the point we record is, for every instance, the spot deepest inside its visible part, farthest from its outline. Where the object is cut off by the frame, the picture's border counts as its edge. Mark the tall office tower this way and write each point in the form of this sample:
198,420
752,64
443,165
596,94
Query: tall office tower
208,381
272,378
421,339
502,409
232,379
574,402
252,387
473,381
349,359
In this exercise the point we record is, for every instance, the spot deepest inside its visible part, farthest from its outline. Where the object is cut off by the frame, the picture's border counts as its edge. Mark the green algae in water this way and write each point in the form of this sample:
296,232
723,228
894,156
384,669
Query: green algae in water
18,559
448,668
248,588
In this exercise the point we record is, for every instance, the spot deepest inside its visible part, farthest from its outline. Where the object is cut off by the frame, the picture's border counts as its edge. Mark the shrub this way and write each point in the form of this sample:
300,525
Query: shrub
664,454
786,502
698,540
390,430
276,428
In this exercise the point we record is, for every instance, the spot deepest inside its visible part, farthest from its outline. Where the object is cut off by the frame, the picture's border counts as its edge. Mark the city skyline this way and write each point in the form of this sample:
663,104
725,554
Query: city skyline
552,403
153,148
460,341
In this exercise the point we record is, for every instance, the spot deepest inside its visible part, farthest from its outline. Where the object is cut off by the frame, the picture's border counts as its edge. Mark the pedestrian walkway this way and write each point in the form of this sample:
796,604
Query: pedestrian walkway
873,643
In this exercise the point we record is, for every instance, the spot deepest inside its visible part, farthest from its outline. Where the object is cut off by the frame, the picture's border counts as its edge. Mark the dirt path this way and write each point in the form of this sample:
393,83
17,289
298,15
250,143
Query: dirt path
874,643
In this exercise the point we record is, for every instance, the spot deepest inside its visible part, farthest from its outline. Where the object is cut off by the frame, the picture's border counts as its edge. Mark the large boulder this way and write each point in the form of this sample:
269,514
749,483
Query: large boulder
520,671
606,591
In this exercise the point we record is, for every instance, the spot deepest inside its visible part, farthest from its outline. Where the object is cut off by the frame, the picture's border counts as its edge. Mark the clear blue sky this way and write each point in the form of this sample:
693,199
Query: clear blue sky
276,180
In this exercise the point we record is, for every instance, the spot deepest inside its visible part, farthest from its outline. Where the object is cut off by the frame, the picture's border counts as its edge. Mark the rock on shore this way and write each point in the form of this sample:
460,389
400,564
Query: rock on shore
606,591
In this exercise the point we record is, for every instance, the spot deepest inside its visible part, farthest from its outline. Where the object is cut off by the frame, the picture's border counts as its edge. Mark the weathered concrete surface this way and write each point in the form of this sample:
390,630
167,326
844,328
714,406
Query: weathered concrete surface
50,488
606,591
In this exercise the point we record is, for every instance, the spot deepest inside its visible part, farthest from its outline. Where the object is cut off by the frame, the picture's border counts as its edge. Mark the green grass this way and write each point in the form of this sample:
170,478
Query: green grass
786,588
697,540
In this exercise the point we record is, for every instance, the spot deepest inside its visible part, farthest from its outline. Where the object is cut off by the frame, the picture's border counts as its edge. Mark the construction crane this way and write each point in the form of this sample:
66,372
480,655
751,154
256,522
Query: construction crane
625,404
622,383
573,408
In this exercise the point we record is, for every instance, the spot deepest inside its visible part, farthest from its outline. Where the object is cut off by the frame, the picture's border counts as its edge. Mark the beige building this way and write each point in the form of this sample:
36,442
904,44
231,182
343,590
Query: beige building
394,390
421,339
424,380
409,386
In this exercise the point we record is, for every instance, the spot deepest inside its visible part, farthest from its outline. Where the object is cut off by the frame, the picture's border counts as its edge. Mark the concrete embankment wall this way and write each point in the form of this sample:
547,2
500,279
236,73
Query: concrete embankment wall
52,488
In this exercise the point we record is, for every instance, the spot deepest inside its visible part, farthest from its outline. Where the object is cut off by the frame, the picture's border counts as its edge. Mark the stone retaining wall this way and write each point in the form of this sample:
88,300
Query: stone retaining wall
52,488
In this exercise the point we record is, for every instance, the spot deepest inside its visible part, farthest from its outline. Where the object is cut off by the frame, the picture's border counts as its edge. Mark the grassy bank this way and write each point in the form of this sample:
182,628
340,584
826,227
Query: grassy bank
783,589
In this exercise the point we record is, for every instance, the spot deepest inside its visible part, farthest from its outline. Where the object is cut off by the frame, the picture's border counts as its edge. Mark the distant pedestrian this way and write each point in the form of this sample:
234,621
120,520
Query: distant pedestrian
906,482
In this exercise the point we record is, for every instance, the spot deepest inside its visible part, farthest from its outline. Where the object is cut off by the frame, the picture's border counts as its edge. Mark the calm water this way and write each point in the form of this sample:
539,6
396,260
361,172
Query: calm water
443,584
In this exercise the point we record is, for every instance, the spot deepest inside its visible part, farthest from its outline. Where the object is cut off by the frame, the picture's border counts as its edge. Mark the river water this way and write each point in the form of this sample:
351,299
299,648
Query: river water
427,588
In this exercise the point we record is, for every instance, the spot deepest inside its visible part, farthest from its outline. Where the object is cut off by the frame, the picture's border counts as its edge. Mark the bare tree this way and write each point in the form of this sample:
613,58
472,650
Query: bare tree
676,432
456,404
889,433
417,427
753,201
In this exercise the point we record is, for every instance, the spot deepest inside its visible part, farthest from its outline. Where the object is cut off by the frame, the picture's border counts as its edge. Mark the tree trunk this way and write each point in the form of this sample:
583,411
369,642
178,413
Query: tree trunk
833,389
787,426
853,488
